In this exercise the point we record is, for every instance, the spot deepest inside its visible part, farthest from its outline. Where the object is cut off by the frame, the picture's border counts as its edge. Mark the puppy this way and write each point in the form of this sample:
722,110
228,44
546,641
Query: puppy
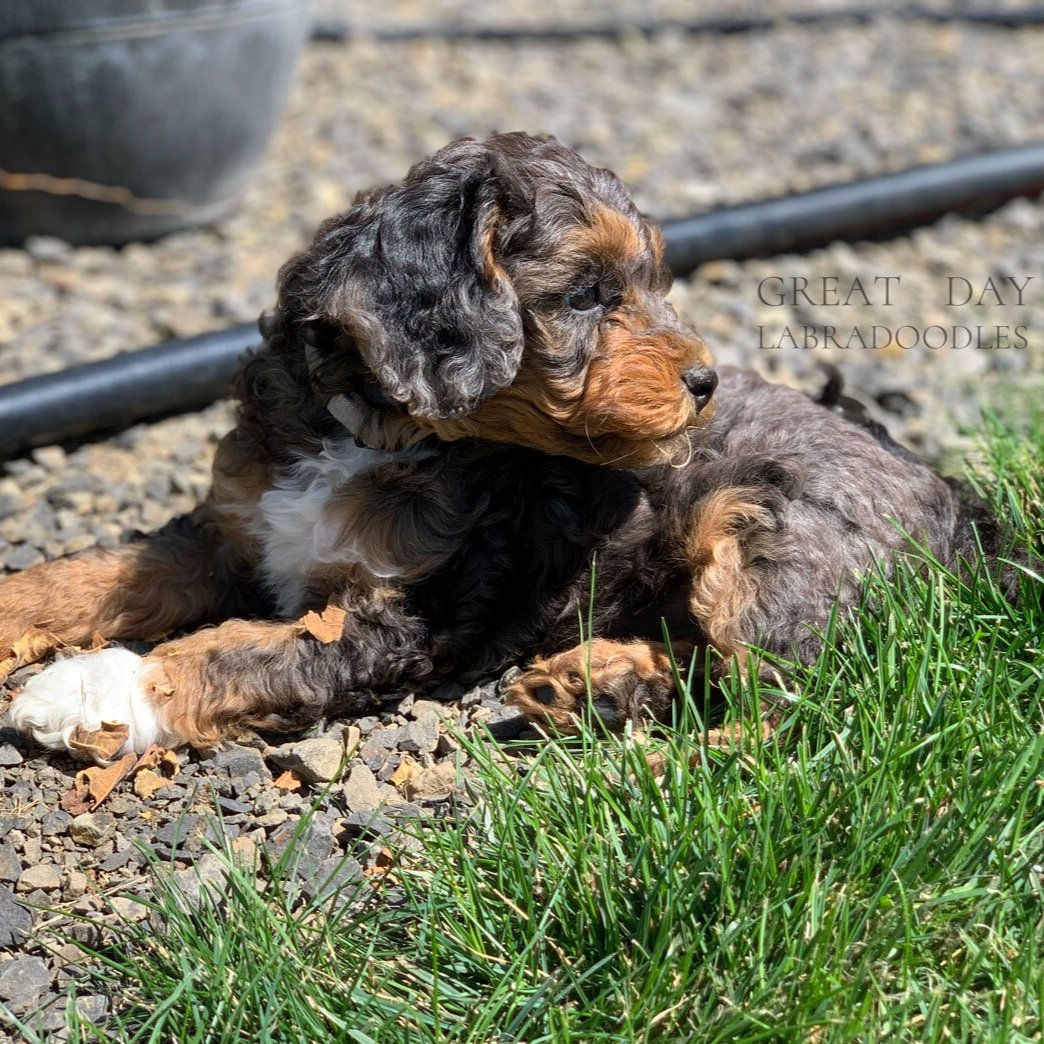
473,406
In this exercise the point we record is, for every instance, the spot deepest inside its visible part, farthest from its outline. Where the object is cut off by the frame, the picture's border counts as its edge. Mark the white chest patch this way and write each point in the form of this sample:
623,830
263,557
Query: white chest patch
300,532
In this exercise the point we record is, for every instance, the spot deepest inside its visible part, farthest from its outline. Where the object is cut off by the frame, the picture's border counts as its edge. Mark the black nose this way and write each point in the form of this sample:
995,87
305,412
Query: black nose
701,383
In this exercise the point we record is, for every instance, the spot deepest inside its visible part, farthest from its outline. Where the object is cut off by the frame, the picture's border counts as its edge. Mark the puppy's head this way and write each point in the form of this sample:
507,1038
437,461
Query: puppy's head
506,290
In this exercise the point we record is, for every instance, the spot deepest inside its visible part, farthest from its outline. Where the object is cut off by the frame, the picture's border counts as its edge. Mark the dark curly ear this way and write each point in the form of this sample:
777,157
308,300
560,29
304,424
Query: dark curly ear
409,274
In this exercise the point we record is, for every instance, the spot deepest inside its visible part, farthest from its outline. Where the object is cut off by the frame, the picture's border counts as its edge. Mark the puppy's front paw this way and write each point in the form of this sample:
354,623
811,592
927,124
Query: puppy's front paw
626,681
81,692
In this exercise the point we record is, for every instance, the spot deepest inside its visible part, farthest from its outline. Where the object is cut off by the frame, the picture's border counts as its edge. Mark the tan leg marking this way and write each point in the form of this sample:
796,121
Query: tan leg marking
142,590
628,681
723,588
176,578
204,684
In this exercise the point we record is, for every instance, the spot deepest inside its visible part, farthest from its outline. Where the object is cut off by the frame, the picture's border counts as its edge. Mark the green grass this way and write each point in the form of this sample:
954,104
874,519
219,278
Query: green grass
875,876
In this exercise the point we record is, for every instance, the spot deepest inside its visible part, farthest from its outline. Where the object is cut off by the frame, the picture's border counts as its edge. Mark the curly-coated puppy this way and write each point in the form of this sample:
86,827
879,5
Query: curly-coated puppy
472,389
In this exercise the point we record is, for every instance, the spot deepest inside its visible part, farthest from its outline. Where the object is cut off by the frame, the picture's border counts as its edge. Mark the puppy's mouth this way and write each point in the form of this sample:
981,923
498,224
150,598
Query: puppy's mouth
661,437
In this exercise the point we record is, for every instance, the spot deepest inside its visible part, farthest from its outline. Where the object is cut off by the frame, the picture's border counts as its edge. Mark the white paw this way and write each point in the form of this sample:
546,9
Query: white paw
85,691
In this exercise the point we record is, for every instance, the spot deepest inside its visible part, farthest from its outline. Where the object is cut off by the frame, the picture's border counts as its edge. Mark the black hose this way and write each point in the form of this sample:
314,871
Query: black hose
339,31
868,209
174,377
183,375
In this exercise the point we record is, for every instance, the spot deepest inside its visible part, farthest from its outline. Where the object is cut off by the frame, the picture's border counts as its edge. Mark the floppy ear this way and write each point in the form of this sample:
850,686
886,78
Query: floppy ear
409,274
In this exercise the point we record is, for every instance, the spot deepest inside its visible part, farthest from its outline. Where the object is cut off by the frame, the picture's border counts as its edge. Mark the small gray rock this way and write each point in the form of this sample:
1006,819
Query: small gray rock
338,875
10,864
239,761
420,737
506,722
92,1008
10,755
429,710
23,980
313,760
22,556
313,844
15,920
362,792
367,824
55,822
117,860
249,782
384,738
44,876
448,744
206,881
9,823
128,909
92,828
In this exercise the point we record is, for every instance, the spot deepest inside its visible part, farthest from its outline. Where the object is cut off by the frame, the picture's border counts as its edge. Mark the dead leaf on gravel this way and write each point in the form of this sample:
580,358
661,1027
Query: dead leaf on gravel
408,768
147,782
327,626
35,644
382,865
93,785
101,744
287,781
155,769
153,755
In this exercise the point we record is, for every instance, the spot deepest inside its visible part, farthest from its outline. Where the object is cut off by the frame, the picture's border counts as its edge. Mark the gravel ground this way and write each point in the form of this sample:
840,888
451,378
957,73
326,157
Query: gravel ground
690,122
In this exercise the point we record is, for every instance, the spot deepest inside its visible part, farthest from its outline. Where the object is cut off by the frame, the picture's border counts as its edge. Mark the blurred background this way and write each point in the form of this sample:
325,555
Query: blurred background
690,121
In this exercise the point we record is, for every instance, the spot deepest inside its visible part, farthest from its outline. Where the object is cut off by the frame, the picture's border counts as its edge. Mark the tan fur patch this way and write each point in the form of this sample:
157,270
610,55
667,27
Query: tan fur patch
722,587
196,699
610,235
554,690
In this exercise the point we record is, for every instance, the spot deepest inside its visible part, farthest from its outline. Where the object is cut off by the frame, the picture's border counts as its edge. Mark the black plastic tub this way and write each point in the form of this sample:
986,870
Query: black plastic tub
127,119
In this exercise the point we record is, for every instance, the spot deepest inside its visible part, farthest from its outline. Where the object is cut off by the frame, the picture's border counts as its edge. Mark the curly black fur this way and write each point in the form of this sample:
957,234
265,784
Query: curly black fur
397,292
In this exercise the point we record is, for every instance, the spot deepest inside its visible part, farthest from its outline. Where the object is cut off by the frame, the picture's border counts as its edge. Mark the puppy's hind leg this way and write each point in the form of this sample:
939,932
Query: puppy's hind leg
181,576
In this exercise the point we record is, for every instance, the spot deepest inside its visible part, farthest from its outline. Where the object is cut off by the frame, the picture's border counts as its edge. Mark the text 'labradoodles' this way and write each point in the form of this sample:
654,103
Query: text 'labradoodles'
472,388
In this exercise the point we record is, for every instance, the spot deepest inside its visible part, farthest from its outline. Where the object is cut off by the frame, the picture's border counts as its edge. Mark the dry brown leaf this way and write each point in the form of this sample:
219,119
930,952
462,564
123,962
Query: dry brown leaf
382,864
101,744
103,780
408,768
166,766
287,781
35,644
327,626
93,785
153,755
76,799
147,782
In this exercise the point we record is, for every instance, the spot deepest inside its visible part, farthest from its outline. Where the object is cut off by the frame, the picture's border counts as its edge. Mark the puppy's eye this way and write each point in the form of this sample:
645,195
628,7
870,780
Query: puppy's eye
583,300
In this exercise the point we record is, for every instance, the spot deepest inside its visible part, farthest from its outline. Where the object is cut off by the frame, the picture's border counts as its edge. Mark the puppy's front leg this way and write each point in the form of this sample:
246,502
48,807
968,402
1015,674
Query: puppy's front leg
627,681
195,689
